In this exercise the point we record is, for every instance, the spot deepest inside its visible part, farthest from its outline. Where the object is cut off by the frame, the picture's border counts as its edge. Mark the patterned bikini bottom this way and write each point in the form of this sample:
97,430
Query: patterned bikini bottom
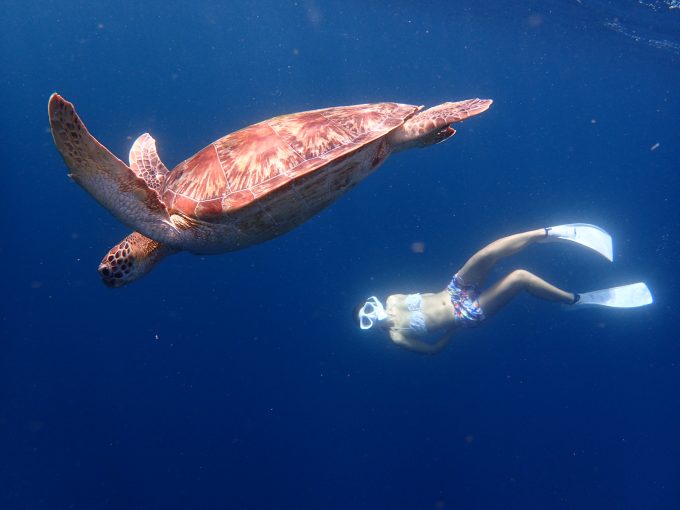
465,301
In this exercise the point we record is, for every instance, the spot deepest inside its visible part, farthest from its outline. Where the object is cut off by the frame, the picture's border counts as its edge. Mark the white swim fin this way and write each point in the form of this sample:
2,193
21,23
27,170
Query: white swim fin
627,296
585,234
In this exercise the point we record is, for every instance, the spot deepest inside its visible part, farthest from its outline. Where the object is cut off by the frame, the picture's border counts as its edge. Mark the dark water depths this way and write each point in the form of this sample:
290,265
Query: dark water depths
240,381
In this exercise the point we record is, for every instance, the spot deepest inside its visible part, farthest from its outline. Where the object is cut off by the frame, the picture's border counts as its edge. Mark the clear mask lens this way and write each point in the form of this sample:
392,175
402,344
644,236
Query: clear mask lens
366,322
369,308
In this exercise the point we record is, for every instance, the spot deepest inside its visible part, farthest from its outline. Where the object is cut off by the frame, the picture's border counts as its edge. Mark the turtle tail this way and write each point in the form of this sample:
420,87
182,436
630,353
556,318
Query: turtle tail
131,259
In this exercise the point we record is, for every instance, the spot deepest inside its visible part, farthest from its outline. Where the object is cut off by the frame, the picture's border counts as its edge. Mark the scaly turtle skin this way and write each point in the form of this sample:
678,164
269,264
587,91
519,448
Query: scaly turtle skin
247,187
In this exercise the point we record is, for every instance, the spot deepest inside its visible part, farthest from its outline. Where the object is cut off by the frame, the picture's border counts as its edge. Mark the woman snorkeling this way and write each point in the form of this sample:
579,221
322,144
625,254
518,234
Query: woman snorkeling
426,322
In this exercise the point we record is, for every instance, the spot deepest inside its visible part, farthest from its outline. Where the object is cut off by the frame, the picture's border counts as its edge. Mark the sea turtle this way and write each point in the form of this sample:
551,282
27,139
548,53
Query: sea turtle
247,187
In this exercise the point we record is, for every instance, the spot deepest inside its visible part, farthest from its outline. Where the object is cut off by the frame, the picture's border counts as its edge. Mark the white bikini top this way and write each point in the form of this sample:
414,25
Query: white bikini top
416,324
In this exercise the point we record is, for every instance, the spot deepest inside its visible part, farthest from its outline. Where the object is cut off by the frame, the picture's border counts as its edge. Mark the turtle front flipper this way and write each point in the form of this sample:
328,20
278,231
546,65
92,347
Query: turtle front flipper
431,126
110,181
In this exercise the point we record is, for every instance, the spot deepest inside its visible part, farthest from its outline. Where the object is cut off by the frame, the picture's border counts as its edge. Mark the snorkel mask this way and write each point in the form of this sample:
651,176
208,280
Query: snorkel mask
373,311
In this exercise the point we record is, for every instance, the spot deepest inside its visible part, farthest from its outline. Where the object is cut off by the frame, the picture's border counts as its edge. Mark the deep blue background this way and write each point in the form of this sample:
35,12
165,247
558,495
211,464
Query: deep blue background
240,381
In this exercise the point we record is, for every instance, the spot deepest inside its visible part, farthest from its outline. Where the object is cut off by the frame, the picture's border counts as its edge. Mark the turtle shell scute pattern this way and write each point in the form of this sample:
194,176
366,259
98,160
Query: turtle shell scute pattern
245,165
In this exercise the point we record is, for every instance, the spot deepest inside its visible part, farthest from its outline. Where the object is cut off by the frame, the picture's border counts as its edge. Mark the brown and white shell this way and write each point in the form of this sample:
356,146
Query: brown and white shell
242,167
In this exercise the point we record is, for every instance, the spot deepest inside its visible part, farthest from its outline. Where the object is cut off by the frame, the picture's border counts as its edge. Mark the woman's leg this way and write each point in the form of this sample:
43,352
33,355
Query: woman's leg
477,268
503,291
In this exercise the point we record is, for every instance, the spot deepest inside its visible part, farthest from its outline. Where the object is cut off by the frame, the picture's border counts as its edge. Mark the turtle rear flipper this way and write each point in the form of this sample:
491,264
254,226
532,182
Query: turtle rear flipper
110,181
431,126
145,162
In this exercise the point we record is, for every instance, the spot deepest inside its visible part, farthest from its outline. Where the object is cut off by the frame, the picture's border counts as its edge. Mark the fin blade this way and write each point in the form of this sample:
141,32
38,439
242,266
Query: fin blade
585,234
595,238
626,296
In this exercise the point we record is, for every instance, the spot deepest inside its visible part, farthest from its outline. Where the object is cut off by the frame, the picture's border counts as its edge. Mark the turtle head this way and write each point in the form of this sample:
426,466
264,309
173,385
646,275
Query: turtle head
131,259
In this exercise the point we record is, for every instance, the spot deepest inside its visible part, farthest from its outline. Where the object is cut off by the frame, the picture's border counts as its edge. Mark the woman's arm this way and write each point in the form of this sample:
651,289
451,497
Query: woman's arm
417,345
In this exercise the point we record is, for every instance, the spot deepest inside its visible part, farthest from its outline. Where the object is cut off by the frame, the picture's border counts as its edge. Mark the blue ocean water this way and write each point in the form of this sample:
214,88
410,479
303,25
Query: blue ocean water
240,381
